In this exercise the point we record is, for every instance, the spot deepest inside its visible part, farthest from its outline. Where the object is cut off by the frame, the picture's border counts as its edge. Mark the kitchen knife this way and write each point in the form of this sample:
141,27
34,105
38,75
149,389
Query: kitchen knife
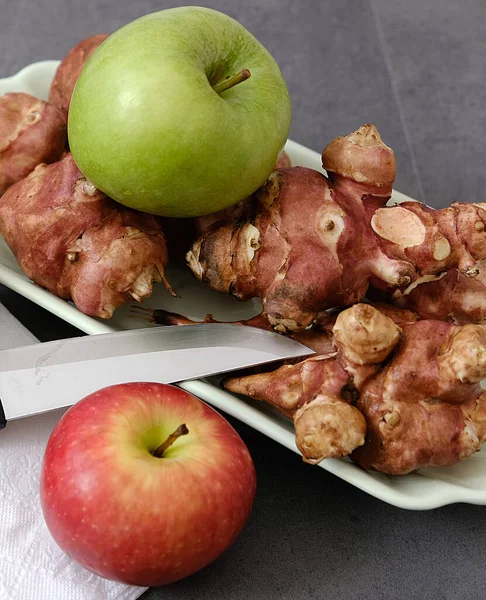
45,376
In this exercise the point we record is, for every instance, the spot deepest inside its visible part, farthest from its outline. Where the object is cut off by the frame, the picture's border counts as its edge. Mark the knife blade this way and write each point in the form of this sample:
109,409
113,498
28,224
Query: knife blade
50,375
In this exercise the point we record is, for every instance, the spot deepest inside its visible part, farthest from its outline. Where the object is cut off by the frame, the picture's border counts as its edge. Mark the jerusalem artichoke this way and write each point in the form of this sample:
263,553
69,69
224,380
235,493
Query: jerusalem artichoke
69,70
31,132
452,297
422,403
73,240
426,407
433,241
316,242
319,392
164,317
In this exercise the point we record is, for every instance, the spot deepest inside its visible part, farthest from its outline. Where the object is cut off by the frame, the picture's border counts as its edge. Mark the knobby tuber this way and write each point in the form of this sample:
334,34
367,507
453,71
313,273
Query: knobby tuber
319,392
433,241
31,132
452,297
69,70
71,239
314,242
395,398
426,408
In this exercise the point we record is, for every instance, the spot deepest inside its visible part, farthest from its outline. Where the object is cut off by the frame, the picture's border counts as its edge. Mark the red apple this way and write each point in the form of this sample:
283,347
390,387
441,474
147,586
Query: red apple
126,513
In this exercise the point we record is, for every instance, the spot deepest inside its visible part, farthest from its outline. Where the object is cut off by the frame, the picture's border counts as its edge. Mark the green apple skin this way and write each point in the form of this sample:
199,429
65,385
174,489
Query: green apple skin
147,128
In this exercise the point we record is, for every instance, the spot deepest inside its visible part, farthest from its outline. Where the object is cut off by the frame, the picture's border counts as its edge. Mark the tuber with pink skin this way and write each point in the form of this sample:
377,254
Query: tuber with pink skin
426,408
319,393
242,210
71,239
314,242
416,388
433,240
293,264
452,297
69,70
31,132
296,252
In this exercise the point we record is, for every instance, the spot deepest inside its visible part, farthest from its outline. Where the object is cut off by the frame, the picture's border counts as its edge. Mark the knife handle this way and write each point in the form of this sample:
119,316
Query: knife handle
3,419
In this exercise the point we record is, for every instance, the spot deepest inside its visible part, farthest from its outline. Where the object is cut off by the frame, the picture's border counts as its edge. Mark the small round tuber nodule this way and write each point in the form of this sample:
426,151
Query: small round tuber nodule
365,335
328,428
361,156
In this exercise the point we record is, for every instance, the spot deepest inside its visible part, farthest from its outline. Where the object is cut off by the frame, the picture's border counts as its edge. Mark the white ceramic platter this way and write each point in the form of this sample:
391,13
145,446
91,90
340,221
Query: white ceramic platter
429,488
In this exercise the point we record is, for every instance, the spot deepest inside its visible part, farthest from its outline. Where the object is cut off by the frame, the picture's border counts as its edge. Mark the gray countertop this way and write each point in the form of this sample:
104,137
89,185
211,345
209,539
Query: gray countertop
416,69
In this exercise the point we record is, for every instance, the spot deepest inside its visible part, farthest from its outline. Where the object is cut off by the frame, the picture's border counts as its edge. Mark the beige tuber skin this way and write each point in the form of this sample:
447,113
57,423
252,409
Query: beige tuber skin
31,132
315,242
71,239
69,70
416,387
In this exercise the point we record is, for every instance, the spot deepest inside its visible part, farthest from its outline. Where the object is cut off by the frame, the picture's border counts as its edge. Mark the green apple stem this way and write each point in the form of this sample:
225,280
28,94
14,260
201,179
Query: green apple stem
230,82
181,430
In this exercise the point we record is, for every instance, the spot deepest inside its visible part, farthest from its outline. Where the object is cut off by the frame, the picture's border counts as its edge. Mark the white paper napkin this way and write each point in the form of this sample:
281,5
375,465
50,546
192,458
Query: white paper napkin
32,566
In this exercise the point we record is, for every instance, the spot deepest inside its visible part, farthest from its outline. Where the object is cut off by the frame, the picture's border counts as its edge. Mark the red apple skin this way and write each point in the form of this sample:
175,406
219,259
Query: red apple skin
128,516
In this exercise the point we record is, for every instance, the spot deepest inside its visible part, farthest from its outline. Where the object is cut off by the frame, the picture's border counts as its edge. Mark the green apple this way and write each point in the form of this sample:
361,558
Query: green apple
180,113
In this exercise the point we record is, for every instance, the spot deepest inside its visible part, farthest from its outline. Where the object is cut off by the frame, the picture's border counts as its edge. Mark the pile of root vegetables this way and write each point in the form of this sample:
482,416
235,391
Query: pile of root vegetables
391,298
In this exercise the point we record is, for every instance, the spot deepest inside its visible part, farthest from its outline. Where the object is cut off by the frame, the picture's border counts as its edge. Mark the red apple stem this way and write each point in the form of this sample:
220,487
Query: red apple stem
181,430
230,82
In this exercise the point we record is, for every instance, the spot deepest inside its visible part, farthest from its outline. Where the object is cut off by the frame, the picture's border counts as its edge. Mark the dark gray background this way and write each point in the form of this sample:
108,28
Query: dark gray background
417,69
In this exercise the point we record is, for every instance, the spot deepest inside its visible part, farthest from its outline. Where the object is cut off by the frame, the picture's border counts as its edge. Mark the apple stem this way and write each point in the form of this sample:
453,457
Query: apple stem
230,82
181,430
